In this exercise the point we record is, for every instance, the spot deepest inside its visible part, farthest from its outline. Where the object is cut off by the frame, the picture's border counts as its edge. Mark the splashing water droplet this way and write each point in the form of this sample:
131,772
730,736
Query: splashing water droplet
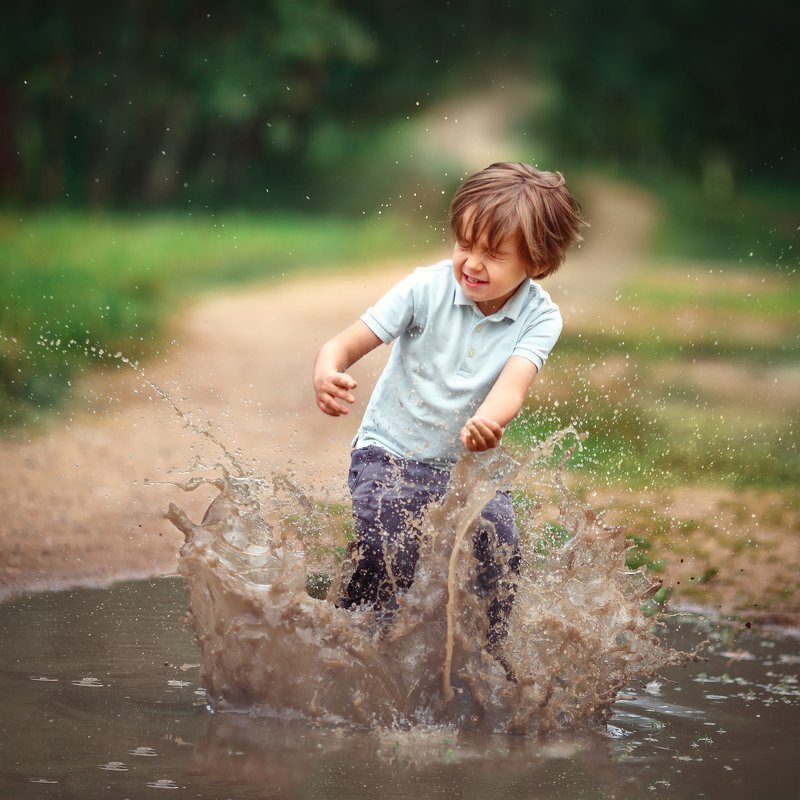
577,632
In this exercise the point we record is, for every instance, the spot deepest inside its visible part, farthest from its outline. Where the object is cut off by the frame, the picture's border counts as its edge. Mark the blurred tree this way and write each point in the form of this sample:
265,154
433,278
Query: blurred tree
700,87
125,100
138,102
141,102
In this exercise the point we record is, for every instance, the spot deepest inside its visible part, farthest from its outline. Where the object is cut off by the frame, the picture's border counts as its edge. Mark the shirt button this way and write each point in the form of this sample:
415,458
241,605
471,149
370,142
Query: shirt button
471,352
479,327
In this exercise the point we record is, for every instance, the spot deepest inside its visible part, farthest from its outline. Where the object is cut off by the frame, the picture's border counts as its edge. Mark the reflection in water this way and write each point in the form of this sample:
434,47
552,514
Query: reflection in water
726,727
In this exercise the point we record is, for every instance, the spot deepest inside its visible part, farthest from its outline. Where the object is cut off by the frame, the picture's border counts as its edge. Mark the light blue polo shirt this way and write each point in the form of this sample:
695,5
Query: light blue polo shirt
447,357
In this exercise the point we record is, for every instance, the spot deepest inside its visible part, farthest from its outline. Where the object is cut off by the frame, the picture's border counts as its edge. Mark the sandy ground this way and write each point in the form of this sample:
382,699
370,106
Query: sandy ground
79,509
78,506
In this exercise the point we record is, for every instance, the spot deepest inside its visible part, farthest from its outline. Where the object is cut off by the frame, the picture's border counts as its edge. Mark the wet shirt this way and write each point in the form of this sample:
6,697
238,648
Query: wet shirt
446,357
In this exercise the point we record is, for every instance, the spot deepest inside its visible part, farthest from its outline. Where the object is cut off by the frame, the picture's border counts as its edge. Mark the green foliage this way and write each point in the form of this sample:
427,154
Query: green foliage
753,227
155,102
639,556
708,575
681,85
268,104
77,290
553,536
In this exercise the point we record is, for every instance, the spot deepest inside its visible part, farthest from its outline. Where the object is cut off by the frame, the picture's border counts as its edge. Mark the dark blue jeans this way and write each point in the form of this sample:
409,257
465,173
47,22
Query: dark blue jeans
390,495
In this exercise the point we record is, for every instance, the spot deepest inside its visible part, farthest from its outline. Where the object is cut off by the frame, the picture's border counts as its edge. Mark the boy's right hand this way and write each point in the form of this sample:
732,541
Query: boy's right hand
481,433
331,390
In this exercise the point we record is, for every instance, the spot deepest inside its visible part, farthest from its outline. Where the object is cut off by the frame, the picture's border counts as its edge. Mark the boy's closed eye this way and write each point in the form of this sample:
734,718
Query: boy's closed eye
495,255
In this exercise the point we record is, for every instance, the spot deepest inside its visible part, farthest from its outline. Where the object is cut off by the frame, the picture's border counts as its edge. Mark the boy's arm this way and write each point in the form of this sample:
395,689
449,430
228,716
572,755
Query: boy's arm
484,430
332,384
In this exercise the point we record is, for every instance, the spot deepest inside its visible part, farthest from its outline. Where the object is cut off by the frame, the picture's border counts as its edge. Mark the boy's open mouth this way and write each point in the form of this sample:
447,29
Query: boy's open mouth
470,281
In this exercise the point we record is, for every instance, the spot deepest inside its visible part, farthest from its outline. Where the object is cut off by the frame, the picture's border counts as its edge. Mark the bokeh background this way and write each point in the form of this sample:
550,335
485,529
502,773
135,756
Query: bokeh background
278,104
151,152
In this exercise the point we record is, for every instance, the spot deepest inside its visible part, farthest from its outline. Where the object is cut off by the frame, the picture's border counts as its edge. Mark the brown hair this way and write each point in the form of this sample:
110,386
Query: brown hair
512,199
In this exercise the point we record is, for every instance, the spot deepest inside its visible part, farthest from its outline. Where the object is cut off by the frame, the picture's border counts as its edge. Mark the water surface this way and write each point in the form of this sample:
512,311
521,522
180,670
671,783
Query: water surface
101,698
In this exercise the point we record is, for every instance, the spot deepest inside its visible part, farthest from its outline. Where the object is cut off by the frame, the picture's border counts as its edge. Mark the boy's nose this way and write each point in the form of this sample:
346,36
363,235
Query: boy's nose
474,261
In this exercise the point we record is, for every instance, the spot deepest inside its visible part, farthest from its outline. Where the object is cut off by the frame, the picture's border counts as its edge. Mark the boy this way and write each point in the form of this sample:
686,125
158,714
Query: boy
472,333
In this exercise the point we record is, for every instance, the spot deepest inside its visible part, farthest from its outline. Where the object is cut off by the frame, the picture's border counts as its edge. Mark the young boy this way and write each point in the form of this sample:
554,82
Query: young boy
472,333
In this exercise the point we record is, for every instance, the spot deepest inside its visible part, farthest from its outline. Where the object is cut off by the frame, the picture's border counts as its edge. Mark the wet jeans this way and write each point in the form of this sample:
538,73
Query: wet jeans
389,497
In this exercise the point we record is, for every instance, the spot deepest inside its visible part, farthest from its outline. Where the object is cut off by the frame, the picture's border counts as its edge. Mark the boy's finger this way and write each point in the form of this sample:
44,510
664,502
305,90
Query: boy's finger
344,381
328,408
489,425
491,430
330,405
476,435
480,428
489,438
343,395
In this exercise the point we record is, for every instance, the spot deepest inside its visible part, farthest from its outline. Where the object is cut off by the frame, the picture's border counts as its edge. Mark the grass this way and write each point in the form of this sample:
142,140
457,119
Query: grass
692,374
645,431
665,388
78,286
755,227
743,226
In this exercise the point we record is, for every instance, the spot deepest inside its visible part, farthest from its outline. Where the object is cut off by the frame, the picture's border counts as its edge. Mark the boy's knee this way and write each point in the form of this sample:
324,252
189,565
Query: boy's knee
496,545
496,532
497,518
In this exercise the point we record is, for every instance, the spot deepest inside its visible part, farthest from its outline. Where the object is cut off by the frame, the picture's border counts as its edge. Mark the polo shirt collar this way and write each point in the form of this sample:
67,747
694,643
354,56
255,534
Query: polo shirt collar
512,308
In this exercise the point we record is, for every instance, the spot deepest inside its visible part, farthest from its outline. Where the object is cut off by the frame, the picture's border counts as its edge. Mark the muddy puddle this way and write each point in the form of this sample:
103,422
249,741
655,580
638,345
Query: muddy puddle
577,633
262,690
102,697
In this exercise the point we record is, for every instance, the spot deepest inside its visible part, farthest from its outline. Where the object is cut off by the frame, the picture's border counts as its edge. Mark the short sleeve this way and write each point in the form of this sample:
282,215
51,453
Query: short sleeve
394,312
539,336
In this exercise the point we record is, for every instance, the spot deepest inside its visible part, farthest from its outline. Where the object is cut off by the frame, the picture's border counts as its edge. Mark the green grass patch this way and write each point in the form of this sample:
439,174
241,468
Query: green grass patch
639,555
750,227
671,343
618,438
644,439
78,287
552,537
742,225
671,292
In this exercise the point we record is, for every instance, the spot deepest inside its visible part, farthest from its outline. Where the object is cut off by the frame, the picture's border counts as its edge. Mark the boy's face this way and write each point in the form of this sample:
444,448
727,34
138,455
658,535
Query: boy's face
488,277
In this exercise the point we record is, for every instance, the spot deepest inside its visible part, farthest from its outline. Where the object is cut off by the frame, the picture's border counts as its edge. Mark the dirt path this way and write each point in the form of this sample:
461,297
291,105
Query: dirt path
77,507
78,511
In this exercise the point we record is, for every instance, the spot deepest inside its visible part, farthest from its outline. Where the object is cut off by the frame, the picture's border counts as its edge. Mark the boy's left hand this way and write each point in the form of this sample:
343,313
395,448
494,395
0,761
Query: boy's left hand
481,433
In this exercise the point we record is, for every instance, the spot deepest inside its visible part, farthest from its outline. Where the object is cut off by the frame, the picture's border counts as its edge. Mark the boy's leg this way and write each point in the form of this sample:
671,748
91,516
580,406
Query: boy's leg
496,548
364,481
388,494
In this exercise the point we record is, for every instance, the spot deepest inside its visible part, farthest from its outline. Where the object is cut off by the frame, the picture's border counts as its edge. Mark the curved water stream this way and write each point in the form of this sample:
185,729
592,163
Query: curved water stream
101,698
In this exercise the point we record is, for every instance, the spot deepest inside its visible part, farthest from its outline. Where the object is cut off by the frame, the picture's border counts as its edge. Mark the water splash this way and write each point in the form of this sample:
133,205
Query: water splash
577,632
